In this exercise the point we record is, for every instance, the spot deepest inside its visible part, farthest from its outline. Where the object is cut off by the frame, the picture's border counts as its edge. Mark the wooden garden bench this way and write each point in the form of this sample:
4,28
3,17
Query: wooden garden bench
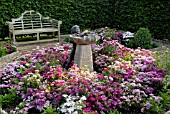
32,22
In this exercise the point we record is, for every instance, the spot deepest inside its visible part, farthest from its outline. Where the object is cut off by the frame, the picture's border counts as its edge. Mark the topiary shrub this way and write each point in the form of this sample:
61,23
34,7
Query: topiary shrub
142,39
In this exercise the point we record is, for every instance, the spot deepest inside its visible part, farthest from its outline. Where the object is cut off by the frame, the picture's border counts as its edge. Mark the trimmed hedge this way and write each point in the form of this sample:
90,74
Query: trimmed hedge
91,14
151,14
85,13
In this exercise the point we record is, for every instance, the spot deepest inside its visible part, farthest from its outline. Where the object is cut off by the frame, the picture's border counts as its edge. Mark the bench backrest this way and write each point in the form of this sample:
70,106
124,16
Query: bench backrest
32,20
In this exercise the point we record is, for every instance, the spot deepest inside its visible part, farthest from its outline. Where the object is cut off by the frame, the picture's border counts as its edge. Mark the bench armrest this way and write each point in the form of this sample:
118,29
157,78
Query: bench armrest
9,23
59,22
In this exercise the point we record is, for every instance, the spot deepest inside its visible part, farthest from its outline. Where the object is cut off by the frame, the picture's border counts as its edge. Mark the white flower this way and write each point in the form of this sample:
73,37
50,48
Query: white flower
70,110
111,78
69,103
72,104
75,112
83,98
79,107
128,35
47,104
63,110
65,95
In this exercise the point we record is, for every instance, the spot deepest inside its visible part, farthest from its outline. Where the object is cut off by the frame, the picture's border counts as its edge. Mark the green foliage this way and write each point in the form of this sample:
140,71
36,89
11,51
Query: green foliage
6,47
85,13
142,39
112,112
67,40
163,58
109,33
130,44
2,52
50,110
156,109
124,15
154,45
1,100
154,15
162,107
10,99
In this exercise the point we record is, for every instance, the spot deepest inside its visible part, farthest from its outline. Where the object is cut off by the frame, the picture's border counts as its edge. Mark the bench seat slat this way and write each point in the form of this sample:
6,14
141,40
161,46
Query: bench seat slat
36,26
47,25
40,30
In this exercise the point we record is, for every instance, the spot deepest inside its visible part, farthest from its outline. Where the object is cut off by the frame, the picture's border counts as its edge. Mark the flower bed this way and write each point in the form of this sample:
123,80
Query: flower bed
124,80
6,47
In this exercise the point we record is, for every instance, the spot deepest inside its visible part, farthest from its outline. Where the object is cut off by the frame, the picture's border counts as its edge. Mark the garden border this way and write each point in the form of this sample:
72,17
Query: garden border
8,58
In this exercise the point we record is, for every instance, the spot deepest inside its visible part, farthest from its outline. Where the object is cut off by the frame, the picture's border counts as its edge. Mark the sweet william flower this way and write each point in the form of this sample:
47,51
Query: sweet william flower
103,97
105,69
24,62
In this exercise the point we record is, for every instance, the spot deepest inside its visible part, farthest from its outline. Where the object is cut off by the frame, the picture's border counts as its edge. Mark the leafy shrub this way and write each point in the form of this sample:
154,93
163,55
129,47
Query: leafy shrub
154,45
10,99
109,33
50,110
142,39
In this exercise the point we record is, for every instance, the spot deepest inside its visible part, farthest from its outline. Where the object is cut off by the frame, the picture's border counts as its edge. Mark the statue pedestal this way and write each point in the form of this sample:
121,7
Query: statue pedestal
83,56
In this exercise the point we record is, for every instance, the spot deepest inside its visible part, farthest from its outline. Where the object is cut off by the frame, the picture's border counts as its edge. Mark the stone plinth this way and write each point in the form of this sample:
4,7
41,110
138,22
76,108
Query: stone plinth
83,56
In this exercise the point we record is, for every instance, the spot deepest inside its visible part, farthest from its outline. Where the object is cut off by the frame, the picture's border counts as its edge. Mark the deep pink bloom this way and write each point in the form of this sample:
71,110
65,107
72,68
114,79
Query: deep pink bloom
105,69
24,62
103,97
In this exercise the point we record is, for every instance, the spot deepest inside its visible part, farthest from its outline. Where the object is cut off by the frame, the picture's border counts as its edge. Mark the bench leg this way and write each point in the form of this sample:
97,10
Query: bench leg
59,36
14,38
9,35
38,36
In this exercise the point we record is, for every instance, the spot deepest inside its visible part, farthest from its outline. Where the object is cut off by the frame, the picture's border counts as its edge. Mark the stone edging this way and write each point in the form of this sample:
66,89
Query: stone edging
4,60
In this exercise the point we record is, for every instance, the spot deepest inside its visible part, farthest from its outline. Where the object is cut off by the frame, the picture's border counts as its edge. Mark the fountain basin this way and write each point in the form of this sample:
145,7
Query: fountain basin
84,40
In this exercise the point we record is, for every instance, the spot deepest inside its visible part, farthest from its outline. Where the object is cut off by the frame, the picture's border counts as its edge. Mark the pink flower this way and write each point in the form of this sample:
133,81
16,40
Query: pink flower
66,47
67,90
24,62
61,84
105,69
20,83
88,109
103,97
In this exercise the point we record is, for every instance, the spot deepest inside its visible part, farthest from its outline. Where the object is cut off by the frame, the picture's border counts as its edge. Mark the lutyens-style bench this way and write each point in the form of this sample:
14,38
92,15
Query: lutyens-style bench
32,22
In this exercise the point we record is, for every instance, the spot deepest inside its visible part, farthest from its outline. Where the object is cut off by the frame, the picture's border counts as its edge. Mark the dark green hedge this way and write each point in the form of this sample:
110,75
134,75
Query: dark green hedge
151,14
85,13
89,14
